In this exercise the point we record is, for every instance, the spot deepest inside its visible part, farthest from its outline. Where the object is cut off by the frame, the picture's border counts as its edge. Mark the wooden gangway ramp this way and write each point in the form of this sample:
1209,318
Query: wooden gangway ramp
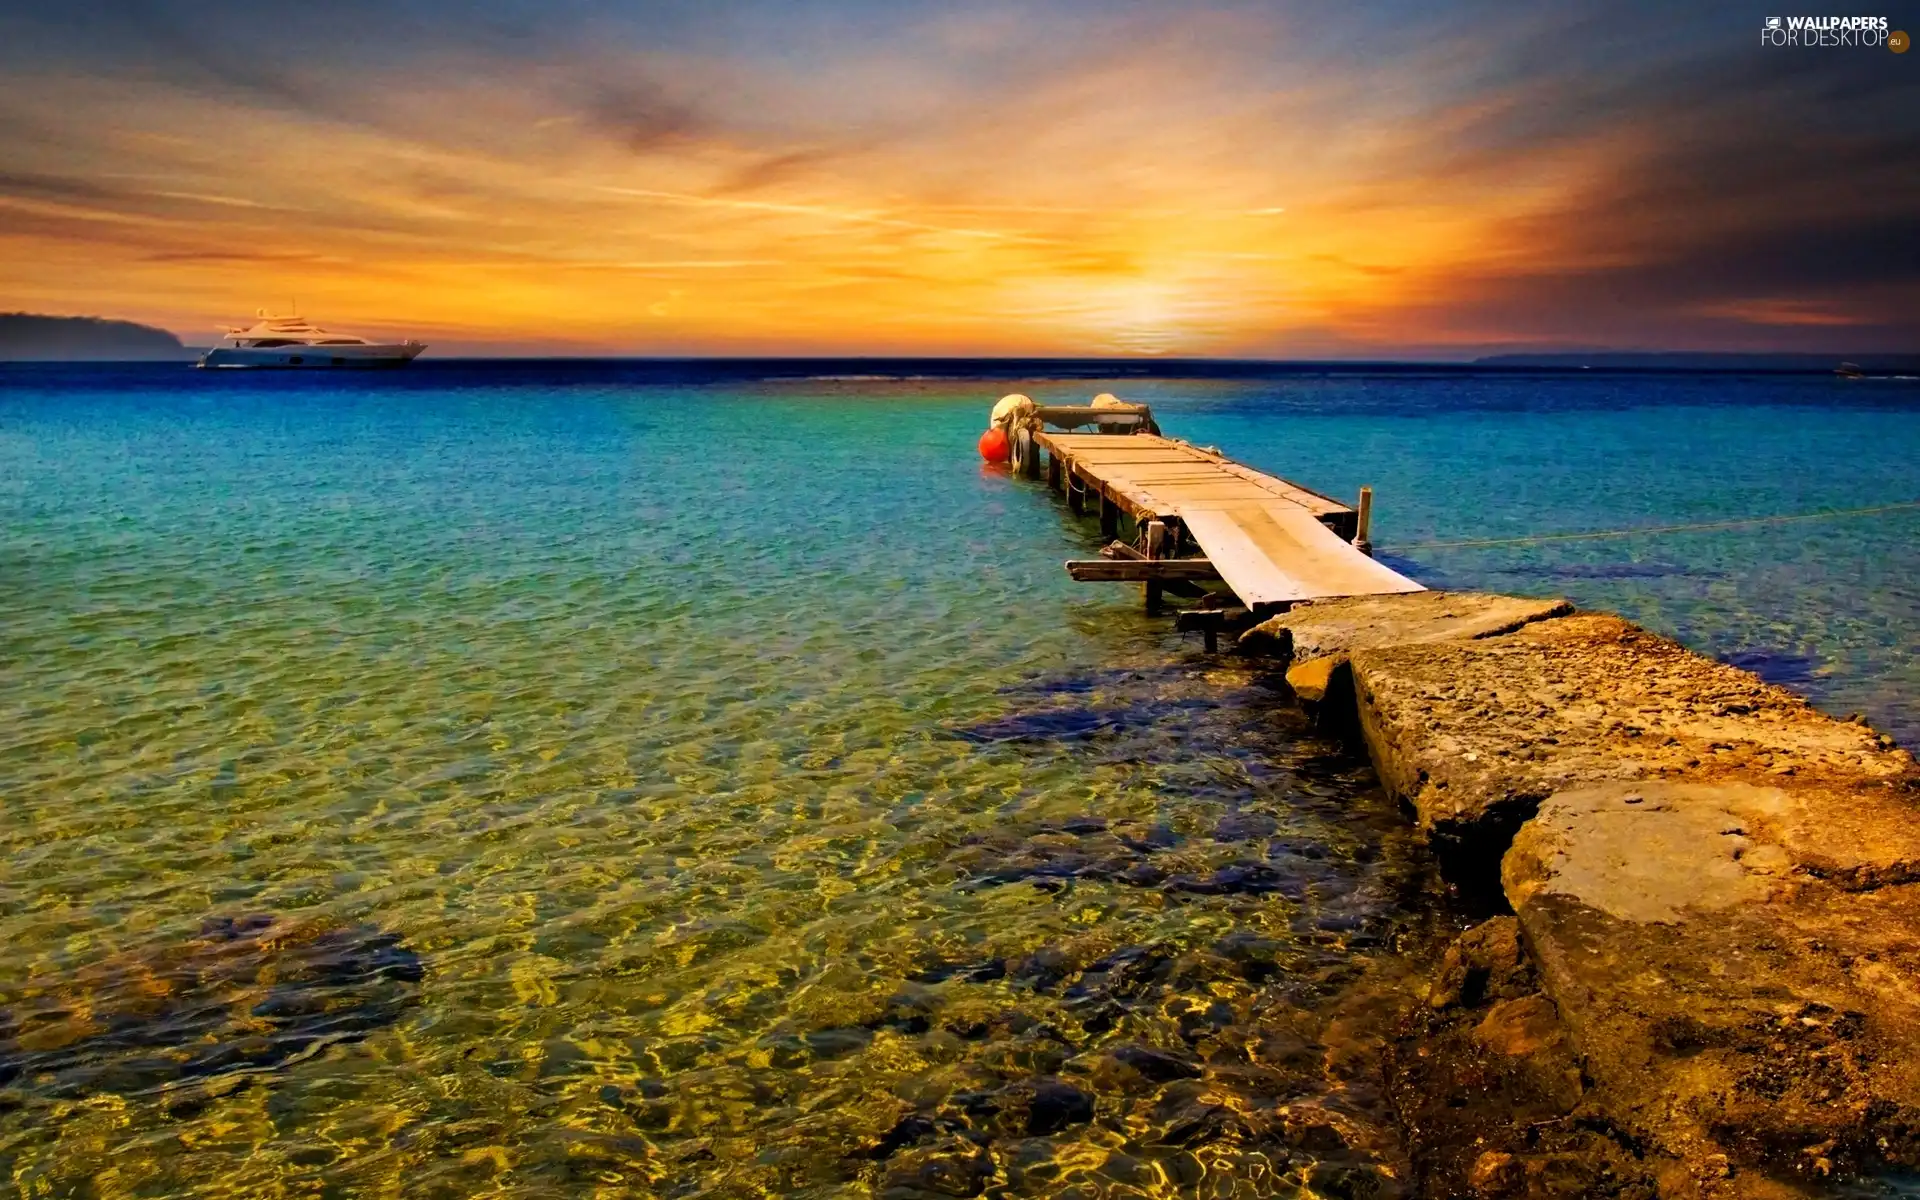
1272,542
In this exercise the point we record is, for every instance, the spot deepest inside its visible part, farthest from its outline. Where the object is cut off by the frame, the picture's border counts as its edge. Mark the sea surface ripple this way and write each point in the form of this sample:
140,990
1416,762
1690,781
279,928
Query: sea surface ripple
545,780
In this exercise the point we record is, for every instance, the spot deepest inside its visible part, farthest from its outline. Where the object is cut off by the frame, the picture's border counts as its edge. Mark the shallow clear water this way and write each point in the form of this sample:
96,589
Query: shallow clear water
759,808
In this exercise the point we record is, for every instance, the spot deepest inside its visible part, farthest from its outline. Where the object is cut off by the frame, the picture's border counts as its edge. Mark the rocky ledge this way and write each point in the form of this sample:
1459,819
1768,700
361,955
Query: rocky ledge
1713,986
1320,639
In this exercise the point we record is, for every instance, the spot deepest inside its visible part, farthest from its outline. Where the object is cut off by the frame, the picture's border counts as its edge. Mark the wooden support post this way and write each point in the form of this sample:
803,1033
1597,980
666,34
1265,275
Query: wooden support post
1109,517
1139,570
1053,471
1076,493
1156,540
1212,622
1363,531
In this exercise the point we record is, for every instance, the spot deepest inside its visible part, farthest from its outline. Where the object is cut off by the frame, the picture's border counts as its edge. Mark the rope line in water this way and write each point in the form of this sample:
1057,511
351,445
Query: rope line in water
1737,523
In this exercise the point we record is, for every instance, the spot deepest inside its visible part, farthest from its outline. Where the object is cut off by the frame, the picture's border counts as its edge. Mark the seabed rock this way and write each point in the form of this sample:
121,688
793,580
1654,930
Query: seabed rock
1489,1090
1486,962
247,994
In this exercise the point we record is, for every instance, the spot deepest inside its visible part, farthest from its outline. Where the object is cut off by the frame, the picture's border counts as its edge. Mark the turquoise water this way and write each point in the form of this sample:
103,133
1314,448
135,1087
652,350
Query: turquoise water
543,780
1831,607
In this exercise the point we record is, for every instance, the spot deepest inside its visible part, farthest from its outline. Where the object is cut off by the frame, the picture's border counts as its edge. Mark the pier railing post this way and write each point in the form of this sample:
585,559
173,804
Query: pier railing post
1363,527
1156,543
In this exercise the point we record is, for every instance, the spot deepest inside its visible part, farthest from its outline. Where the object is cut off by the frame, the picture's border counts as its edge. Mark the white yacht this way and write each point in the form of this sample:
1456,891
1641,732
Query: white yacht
298,342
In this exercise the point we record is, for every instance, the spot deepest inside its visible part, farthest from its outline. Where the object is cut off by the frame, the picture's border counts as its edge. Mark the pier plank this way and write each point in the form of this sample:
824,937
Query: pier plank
1278,553
1107,450
1273,542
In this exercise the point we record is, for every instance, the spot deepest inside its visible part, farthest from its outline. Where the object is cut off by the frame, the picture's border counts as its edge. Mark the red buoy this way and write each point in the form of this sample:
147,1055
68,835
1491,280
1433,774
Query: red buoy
994,446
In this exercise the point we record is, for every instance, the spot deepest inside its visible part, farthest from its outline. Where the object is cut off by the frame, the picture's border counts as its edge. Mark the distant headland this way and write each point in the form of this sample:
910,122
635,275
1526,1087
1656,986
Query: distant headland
75,339
1697,360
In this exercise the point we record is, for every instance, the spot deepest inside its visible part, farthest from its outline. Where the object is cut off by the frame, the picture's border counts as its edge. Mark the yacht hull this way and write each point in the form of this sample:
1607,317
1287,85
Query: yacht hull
311,357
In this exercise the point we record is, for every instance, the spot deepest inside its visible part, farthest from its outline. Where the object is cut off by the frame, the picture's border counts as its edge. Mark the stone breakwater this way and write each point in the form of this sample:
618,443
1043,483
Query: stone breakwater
1709,983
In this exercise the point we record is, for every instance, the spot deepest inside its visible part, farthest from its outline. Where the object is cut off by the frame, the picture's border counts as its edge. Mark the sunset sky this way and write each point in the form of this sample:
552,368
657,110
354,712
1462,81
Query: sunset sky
1272,180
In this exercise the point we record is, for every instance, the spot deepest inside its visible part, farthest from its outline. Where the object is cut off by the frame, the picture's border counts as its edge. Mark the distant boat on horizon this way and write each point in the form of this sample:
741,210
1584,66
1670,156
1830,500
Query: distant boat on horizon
298,342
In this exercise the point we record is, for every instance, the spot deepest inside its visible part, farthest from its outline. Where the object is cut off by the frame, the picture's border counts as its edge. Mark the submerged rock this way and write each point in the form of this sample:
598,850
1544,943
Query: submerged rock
1156,1066
911,1130
1084,848
1070,724
1241,879
1049,855
1245,827
839,1042
1044,725
982,971
1034,1107
1784,667
247,994
951,1167
1490,1093
1095,679
1486,962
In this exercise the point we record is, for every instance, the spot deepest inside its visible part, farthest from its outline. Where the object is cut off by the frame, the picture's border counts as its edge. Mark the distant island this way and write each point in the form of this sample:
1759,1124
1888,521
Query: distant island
1694,360
32,336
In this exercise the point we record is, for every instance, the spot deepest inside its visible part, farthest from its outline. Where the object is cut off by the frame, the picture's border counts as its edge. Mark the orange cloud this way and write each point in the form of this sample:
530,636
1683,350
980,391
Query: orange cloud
1199,185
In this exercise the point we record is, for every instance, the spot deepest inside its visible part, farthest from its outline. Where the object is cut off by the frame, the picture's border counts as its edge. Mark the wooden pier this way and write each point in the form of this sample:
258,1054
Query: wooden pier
1680,845
1195,514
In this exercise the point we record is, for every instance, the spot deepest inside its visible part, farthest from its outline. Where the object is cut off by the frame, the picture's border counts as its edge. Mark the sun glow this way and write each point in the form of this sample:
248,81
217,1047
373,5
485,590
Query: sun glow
1210,184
